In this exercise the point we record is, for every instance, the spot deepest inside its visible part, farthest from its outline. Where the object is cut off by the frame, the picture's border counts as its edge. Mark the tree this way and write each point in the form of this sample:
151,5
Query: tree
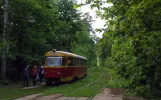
134,35
4,41
57,25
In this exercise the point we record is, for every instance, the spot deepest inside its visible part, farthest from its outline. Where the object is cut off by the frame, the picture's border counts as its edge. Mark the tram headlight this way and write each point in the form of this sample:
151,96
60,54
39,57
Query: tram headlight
58,73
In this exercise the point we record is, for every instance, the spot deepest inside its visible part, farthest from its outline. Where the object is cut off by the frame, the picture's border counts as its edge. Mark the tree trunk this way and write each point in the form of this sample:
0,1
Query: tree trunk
4,42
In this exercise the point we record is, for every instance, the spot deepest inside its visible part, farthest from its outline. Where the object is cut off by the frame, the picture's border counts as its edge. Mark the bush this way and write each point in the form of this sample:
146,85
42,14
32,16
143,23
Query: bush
4,82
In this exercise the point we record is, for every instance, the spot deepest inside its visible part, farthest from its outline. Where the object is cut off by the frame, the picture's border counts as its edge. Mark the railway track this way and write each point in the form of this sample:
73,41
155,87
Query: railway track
90,98
92,71
79,89
104,74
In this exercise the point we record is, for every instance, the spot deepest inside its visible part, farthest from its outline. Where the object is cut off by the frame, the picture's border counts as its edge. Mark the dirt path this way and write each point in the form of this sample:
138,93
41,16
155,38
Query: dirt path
51,97
110,94
114,94
106,94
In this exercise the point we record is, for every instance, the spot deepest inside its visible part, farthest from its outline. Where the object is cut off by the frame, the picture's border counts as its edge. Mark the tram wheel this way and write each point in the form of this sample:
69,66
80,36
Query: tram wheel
85,75
48,83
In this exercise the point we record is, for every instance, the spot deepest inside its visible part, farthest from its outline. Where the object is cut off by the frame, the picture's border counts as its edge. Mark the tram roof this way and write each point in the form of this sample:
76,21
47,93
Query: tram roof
63,53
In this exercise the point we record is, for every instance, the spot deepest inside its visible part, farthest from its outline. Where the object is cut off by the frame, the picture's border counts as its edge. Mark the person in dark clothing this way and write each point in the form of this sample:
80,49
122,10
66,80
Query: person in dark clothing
41,74
26,76
34,75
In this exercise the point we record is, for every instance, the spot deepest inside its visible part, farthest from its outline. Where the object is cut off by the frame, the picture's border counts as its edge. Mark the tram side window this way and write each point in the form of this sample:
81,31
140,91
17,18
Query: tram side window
74,61
81,62
85,62
71,61
78,62
64,61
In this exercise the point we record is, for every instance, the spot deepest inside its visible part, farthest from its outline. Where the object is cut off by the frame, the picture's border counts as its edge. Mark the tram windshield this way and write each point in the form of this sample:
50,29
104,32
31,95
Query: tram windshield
54,61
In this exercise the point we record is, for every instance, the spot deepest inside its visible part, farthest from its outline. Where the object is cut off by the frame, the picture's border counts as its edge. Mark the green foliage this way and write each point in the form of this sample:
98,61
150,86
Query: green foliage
1,25
84,45
38,26
13,93
4,82
131,45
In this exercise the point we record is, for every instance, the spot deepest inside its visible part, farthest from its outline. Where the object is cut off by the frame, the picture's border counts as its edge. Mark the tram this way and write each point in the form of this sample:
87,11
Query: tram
63,66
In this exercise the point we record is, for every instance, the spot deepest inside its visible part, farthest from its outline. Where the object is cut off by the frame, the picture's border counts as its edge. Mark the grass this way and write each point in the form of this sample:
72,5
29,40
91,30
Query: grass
93,75
12,93
86,92
91,90
115,80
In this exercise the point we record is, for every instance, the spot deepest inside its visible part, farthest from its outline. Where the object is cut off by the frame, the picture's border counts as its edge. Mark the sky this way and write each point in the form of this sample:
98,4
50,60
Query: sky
98,22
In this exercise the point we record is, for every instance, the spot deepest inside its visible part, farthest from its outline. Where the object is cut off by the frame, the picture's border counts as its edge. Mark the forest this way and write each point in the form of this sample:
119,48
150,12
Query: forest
38,26
130,45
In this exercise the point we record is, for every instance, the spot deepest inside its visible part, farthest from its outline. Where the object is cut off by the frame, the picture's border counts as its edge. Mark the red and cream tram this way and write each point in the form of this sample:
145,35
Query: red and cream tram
64,66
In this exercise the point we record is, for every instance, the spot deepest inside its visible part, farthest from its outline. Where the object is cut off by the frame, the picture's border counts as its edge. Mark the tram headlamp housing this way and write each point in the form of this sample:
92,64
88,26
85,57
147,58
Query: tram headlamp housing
54,50
59,73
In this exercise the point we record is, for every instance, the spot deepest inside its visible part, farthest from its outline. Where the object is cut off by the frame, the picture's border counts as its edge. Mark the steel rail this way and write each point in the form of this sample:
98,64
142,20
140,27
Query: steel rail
80,88
101,88
83,87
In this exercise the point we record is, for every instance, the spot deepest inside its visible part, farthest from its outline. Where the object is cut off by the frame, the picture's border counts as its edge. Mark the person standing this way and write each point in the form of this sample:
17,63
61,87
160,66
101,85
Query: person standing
41,74
26,76
34,75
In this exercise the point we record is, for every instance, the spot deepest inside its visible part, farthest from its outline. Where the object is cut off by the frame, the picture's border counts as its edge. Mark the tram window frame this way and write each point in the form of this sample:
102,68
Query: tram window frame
83,62
80,62
71,61
64,64
86,63
74,61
